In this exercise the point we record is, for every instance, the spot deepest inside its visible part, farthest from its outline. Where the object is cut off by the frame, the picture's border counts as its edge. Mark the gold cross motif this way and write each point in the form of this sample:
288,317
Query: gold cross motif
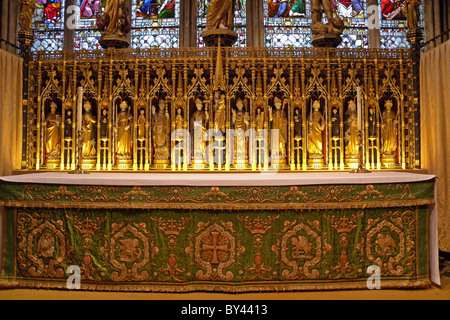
214,247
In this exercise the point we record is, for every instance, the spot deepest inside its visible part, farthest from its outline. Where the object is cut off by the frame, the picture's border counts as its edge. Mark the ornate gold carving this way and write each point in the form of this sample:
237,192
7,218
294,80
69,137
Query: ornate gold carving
188,79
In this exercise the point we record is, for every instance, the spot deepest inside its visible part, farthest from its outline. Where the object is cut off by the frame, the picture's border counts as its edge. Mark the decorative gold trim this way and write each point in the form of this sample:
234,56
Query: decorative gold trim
419,283
219,206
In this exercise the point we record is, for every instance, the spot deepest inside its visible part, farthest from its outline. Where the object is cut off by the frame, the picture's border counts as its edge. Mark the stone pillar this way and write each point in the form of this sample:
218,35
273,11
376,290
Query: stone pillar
374,32
69,32
255,23
9,10
188,23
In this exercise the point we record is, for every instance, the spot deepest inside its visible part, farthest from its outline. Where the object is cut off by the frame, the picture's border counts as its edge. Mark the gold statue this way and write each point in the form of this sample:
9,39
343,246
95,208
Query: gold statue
161,131
220,15
104,124
141,125
114,24
124,122
179,122
198,127
26,12
88,128
335,23
316,126
179,119
241,120
53,132
259,121
278,121
220,115
352,132
389,131
412,14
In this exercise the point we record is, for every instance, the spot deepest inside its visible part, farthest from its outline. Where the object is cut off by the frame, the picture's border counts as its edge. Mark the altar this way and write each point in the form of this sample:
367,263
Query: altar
219,232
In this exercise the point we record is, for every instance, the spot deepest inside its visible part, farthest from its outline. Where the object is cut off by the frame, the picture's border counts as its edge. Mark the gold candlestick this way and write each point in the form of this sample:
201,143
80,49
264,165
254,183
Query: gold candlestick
78,159
361,168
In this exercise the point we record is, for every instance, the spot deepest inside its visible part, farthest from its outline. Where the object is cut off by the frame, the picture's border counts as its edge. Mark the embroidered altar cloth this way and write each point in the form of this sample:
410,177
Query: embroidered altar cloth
219,232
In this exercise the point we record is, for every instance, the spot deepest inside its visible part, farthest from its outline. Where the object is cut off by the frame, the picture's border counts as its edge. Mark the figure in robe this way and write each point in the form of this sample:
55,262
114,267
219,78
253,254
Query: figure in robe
124,123
352,133
389,131
68,122
316,127
220,15
147,7
167,9
116,21
278,121
412,13
286,8
161,131
297,123
40,11
335,124
282,8
259,120
89,8
157,8
392,9
219,111
87,124
53,132
349,9
26,12
52,9
104,124
198,127
241,121
141,125
179,120
372,123
298,9
335,23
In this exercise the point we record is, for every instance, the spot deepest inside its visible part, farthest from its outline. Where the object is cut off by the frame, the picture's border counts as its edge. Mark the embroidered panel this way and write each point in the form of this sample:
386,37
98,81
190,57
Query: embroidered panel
190,197
240,251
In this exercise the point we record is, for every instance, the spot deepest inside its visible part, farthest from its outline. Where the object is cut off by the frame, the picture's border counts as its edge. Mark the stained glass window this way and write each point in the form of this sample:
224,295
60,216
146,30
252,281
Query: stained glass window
155,24
240,21
48,25
393,25
287,23
87,33
354,15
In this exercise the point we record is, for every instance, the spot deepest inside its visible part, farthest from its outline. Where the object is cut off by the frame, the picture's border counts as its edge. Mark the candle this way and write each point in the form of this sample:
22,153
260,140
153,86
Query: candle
359,106
80,108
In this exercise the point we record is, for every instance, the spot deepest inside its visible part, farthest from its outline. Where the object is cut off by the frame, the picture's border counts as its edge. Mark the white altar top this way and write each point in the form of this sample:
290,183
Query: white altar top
217,179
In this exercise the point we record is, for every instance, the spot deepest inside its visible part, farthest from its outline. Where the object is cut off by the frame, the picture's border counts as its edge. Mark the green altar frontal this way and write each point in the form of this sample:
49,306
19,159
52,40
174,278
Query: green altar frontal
223,239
